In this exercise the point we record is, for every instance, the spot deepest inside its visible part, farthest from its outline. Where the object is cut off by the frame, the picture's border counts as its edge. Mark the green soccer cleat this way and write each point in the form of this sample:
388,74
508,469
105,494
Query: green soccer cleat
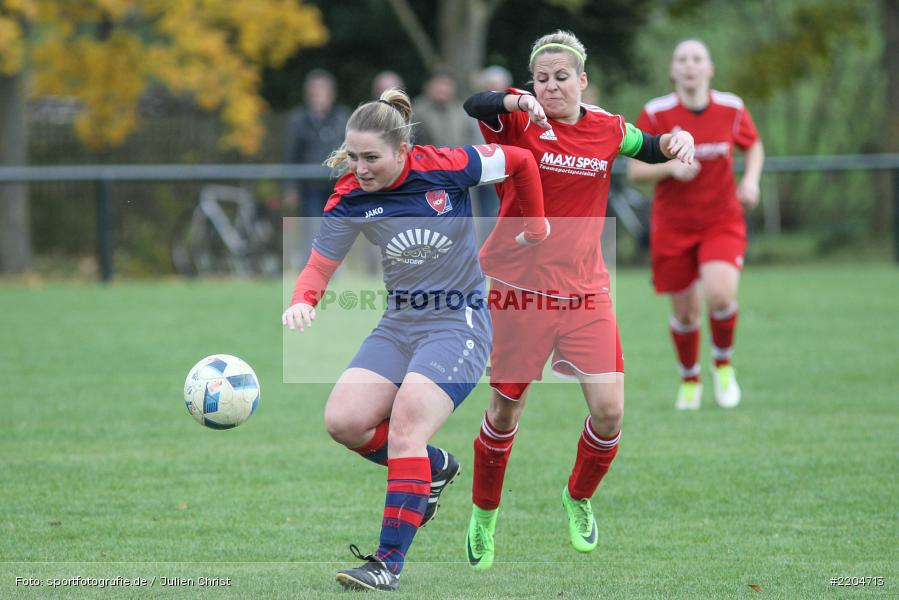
727,392
689,396
581,524
479,542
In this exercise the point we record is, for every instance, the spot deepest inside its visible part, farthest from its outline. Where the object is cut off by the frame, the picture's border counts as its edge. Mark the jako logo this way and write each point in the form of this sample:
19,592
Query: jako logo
374,211
581,163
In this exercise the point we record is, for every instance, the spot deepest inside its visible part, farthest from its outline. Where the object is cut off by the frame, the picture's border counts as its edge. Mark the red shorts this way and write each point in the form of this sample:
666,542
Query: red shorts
677,254
580,334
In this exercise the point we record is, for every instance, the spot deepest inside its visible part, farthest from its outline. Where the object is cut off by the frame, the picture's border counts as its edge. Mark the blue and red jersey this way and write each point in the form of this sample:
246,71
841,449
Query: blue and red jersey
421,224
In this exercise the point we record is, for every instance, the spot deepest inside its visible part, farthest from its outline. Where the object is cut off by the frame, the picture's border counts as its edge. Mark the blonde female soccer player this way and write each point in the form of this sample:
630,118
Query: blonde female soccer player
554,298
431,345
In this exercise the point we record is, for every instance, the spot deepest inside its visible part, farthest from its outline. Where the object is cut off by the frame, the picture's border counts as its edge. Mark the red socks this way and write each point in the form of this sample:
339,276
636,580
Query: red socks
723,325
594,455
686,343
491,455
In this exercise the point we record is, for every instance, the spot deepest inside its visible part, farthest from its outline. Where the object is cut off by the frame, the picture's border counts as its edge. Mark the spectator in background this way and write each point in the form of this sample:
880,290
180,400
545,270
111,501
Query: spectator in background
491,79
314,129
385,80
442,121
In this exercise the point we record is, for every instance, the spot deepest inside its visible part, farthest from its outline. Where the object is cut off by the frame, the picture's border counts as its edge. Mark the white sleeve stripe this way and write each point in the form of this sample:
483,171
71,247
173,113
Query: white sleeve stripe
493,166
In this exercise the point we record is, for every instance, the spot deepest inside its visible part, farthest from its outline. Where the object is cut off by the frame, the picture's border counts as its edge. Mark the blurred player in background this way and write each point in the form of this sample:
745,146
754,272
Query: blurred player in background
698,230
422,359
575,145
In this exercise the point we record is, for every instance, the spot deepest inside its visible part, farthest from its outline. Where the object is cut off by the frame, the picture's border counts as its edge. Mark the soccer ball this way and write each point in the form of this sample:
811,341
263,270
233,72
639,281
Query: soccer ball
221,391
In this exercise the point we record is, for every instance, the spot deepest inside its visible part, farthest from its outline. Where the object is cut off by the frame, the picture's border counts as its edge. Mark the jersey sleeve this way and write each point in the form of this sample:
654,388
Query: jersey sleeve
489,162
632,141
511,125
463,167
336,234
745,133
645,123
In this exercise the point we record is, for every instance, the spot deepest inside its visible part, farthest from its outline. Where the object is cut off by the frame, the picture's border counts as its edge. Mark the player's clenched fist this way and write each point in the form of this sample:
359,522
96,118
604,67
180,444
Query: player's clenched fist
528,238
680,146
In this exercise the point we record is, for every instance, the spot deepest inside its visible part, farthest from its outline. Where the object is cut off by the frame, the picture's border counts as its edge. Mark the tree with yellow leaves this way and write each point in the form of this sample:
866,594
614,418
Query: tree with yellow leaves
107,52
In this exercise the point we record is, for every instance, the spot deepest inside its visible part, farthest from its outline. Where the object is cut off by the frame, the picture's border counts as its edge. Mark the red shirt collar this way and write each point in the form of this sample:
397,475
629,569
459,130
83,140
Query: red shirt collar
403,174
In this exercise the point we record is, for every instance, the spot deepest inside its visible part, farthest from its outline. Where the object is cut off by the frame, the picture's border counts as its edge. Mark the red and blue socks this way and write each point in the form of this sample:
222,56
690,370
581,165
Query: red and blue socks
408,488
492,448
594,455
376,449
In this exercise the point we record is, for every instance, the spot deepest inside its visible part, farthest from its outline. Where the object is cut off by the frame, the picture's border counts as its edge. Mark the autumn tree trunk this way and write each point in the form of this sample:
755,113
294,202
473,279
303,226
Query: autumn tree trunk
463,37
15,232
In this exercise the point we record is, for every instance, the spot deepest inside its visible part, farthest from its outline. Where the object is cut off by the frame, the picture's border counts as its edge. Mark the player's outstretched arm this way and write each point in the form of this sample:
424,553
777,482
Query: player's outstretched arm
678,145
525,176
653,156
308,291
486,106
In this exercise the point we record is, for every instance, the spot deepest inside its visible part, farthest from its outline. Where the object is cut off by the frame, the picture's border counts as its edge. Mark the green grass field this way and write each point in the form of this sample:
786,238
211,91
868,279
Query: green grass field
103,473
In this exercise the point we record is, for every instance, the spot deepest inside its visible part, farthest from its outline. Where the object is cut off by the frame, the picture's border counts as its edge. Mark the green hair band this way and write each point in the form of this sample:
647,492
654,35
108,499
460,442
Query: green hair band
576,52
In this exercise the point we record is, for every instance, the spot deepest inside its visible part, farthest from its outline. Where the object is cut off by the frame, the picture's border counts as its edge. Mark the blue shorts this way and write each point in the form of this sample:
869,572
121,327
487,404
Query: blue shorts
450,349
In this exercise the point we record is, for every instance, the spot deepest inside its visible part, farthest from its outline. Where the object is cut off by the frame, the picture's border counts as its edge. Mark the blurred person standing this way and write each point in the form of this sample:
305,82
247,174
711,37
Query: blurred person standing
441,120
314,129
698,233
490,79
386,80
493,79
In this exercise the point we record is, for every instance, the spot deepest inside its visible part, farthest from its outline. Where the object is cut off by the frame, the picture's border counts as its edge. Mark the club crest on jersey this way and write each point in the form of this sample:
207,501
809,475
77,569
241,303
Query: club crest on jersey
439,201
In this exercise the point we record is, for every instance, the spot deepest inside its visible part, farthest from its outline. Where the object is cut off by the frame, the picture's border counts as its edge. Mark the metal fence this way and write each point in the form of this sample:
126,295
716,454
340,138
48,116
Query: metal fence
102,176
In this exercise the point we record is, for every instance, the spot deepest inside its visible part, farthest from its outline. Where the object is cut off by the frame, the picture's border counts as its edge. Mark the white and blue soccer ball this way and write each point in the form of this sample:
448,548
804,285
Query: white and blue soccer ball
221,391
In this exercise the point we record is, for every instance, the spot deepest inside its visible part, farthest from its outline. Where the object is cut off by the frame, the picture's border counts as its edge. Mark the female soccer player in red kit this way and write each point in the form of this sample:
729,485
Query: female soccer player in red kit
698,231
575,145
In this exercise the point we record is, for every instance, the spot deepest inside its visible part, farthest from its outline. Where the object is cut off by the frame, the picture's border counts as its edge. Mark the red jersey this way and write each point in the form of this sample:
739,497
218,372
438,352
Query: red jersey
575,169
711,197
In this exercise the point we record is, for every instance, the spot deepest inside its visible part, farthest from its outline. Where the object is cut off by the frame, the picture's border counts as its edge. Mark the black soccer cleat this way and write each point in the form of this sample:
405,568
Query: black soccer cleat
447,474
373,574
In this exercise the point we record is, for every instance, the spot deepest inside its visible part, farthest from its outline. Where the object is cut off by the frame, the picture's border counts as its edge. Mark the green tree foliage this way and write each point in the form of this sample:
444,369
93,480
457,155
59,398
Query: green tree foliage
815,36
812,74
366,37
107,52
